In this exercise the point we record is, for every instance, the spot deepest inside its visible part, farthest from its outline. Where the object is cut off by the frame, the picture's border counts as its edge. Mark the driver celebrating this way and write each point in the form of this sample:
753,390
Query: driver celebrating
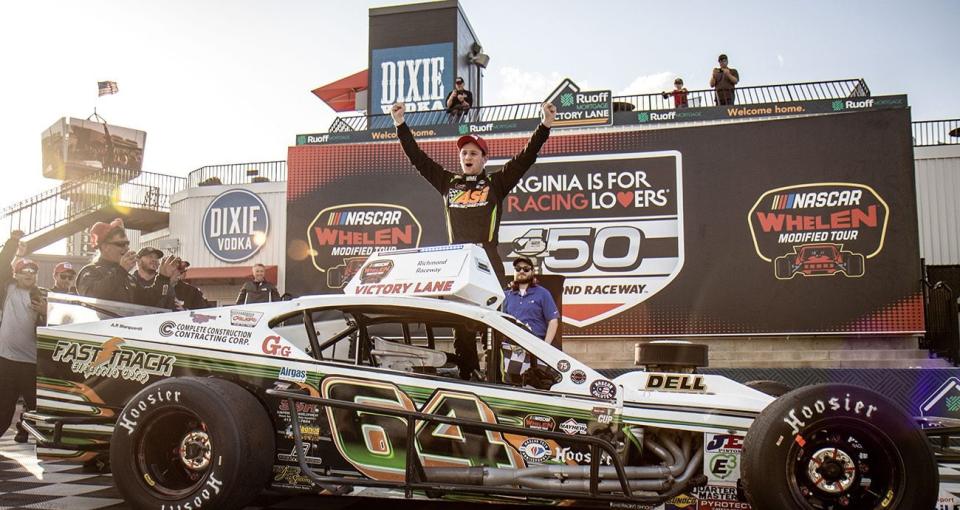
473,200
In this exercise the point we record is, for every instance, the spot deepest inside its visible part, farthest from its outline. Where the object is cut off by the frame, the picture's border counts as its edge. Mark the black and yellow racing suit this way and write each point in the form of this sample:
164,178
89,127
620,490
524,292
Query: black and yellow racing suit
474,203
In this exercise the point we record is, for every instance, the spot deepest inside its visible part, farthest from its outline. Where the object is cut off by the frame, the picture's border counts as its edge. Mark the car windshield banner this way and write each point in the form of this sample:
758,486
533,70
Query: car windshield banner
801,225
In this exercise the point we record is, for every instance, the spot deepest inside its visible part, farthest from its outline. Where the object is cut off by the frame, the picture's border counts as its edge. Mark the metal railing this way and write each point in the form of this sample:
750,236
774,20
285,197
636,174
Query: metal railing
809,91
238,173
936,132
74,199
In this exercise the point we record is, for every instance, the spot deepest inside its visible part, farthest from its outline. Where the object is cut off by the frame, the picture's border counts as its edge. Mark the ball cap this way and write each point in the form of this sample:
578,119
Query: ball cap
723,56
63,267
26,266
522,259
480,142
149,250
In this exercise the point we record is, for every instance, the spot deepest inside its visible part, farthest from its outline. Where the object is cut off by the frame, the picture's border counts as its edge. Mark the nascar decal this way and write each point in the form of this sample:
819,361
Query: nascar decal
341,237
819,229
612,224
111,360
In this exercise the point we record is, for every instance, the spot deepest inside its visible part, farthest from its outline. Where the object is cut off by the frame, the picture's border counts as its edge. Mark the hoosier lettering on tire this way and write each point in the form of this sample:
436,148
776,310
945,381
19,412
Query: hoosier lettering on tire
192,443
837,446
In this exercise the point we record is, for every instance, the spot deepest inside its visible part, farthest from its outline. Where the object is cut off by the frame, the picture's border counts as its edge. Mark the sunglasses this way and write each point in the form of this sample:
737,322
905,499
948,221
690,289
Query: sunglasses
523,269
27,271
67,276
120,244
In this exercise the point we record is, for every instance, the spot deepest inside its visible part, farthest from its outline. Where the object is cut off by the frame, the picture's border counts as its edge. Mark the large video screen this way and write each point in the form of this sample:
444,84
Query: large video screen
73,148
774,227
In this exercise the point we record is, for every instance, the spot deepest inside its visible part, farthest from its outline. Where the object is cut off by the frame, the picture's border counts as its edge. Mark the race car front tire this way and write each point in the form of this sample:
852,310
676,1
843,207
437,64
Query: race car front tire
837,446
192,443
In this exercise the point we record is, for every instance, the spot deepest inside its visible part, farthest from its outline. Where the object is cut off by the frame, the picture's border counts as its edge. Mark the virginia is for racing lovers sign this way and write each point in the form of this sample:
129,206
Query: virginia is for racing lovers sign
647,226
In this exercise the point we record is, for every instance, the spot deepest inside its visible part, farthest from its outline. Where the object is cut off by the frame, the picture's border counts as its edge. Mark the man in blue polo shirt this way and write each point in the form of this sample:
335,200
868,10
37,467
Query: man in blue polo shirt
532,305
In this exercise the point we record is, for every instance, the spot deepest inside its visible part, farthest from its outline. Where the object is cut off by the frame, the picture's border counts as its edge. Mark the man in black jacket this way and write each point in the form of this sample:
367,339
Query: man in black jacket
109,276
23,307
258,290
473,201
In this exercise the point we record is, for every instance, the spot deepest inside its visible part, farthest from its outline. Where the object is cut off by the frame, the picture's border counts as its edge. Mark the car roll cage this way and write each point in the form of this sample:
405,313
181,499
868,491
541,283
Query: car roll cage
416,477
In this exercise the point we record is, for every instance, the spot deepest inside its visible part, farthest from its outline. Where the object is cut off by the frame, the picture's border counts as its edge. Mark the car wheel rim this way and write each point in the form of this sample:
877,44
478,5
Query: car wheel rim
844,465
173,453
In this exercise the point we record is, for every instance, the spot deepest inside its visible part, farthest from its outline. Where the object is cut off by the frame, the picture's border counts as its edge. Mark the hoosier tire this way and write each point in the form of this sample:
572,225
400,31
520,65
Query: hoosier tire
192,443
837,446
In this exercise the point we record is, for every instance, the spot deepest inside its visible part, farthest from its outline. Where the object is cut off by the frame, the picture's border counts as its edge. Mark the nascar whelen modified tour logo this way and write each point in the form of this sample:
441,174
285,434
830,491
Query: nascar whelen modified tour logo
612,224
819,229
342,237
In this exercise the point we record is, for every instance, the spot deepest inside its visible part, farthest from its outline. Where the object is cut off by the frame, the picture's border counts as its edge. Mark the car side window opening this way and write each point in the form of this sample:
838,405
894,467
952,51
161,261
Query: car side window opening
416,341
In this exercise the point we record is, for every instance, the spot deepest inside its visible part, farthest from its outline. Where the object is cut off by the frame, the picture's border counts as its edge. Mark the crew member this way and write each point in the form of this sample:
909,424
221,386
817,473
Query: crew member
258,290
64,277
109,276
473,200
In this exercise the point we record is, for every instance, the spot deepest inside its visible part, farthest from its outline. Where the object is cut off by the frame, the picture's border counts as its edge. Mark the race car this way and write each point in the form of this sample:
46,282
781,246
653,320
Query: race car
397,389
821,259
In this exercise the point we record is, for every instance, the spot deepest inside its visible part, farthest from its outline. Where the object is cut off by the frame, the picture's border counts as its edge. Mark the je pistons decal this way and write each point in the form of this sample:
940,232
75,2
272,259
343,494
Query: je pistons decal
340,238
819,229
113,361
612,224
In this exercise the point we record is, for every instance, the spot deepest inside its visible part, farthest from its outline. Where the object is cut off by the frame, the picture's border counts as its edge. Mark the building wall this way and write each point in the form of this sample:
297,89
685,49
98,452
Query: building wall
938,207
184,236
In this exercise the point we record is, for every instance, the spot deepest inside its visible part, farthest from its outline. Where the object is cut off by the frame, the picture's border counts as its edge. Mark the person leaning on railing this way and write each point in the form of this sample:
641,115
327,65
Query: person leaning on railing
474,200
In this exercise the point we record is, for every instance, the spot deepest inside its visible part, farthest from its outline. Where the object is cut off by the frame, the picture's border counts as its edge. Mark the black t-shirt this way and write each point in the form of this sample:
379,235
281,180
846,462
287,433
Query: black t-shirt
457,106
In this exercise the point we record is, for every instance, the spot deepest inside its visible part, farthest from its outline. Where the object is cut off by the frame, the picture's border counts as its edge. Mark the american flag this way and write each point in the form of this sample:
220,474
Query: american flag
106,87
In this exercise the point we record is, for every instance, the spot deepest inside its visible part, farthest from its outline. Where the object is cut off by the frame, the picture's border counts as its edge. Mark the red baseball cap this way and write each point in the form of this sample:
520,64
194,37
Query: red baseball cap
63,267
480,142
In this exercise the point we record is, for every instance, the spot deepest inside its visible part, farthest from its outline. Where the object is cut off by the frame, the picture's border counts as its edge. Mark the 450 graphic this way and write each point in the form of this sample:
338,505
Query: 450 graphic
376,444
608,267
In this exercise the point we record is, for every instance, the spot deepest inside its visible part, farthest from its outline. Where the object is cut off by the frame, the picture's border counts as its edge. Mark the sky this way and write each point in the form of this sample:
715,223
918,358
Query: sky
216,81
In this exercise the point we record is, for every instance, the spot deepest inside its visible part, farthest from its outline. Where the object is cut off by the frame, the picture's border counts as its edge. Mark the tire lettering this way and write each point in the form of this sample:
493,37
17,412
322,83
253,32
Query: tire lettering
796,423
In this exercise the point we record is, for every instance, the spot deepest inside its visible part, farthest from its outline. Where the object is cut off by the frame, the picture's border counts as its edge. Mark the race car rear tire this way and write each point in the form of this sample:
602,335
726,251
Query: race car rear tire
837,446
192,443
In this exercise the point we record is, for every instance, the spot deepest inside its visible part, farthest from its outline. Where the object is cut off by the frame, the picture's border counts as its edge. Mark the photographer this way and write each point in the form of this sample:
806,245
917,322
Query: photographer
459,100
724,79
109,276
24,307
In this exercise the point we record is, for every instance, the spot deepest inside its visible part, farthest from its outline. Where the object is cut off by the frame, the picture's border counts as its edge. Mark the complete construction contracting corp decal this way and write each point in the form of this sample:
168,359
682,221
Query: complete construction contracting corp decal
819,229
612,224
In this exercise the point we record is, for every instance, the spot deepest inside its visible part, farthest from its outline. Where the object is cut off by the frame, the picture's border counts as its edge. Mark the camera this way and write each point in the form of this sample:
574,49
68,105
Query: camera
38,294
183,265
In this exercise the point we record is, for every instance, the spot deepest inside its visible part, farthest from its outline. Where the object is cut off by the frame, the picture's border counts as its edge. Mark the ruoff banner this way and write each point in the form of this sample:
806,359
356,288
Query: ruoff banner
793,226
